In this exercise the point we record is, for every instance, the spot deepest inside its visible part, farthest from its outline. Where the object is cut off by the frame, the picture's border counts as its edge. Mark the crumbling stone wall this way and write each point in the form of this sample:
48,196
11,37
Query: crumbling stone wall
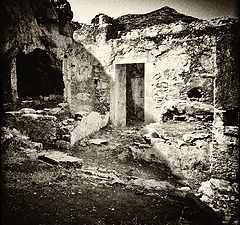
227,82
225,151
86,82
186,64
176,63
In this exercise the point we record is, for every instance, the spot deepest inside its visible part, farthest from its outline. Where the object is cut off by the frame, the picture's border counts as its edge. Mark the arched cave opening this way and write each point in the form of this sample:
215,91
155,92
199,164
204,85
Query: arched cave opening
39,74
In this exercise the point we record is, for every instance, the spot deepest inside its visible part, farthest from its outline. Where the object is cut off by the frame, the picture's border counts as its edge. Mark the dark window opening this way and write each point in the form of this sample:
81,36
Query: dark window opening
231,117
134,93
194,93
39,74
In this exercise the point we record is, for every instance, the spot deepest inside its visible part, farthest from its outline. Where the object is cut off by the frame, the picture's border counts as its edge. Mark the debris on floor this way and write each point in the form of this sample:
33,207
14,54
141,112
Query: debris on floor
98,141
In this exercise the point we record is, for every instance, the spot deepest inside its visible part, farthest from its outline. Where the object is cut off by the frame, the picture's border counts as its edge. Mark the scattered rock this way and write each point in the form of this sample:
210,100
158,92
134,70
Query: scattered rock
66,137
109,176
182,109
32,116
79,115
180,117
13,140
206,199
147,138
150,184
31,153
208,187
184,189
155,135
28,110
70,120
125,155
63,105
37,145
231,131
61,144
140,145
98,141
55,111
39,111
130,131
193,137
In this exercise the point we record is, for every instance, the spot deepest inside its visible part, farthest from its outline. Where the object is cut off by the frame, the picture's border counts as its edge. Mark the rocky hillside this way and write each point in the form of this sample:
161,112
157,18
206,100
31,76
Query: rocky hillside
27,22
30,24
164,15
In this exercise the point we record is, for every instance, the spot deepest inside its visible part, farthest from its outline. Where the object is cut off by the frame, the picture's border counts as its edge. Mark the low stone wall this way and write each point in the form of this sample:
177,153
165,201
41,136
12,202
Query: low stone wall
225,155
183,146
39,127
52,127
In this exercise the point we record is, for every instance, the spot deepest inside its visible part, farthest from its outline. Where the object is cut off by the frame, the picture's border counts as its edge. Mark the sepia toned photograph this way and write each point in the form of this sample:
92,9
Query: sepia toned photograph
119,112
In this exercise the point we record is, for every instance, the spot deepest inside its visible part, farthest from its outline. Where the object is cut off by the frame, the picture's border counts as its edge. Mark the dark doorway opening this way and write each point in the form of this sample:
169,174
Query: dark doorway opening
39,74
134,93
5,79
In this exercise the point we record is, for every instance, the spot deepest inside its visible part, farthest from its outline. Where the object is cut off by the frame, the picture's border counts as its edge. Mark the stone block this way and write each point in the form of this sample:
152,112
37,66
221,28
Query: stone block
90,122
60,158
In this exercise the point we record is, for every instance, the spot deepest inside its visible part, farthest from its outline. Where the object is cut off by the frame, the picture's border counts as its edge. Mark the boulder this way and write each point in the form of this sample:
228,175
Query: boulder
210,187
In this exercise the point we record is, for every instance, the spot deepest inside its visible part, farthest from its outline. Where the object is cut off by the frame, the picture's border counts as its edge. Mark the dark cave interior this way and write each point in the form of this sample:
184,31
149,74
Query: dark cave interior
38,74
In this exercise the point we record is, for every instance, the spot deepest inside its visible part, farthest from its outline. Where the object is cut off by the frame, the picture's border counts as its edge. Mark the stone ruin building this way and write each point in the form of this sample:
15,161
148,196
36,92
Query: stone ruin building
148,69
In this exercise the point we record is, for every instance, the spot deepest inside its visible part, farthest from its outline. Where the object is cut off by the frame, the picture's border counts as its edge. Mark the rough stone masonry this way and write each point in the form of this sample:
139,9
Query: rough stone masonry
163,68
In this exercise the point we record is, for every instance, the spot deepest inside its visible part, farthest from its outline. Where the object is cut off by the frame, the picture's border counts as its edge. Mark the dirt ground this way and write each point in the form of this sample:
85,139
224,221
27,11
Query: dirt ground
111,188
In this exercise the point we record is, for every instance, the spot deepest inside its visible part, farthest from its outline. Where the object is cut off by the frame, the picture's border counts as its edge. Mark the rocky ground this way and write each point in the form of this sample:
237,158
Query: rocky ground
107,186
